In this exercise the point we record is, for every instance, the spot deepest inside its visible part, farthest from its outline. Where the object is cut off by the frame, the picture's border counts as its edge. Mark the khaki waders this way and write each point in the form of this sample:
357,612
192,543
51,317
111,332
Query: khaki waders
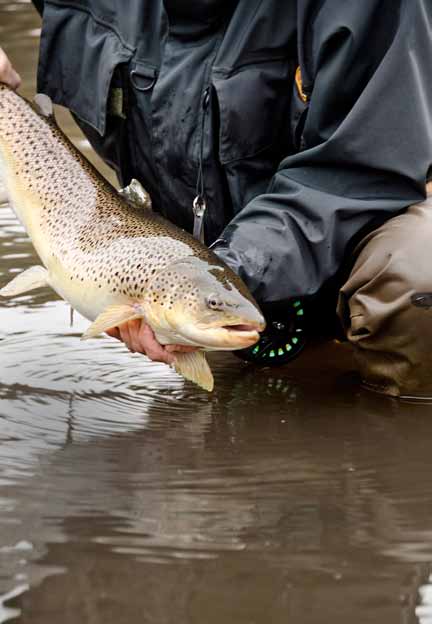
386,305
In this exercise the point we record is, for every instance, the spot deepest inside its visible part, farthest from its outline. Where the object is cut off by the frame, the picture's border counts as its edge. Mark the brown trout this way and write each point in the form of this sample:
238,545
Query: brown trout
109,258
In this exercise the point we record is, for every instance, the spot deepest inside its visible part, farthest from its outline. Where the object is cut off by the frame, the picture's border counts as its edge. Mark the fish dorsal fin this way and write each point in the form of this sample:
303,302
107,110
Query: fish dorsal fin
112,316
30,279
44,105
136,195
194,366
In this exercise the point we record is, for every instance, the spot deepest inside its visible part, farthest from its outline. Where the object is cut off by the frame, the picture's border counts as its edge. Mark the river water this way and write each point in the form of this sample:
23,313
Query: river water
129,496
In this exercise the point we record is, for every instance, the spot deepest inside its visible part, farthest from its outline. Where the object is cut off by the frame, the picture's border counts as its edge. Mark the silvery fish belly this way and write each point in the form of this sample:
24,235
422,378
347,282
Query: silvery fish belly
107,254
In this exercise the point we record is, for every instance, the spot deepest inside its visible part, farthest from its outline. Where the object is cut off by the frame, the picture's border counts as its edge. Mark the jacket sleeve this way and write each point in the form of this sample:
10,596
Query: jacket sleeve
366,146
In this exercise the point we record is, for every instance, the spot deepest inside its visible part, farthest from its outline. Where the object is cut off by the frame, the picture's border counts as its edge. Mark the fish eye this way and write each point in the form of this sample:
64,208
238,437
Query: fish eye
214,302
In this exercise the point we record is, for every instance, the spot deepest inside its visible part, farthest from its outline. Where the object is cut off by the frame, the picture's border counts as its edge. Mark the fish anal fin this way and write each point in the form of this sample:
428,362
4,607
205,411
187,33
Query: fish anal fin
44,105
30,279
194,366
112,316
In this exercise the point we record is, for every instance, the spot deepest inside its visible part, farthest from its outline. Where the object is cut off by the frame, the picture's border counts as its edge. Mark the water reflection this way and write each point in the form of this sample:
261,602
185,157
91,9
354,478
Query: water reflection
424,609
261,507
8,613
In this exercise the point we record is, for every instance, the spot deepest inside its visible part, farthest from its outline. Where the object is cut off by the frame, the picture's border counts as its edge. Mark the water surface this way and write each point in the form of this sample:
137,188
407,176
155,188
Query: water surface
129,496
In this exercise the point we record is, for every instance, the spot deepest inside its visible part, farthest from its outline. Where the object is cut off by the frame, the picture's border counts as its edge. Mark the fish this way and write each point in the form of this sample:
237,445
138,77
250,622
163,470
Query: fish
108,254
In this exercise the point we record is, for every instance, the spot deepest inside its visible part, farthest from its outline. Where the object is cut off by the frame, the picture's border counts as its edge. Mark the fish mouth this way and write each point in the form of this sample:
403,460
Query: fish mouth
256,326
242,327
221,337
225,335
232,336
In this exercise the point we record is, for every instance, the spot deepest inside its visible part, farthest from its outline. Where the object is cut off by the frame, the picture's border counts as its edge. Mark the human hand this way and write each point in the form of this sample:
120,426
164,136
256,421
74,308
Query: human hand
7,73
139,338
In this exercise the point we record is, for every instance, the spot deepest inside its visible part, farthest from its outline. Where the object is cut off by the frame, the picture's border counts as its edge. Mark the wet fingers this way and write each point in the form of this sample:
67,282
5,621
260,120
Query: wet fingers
135,344
114,333
153,349
139,338
125,336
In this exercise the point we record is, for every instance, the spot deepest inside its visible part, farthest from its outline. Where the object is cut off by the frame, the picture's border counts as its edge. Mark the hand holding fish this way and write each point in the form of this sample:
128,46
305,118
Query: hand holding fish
7,73
139,338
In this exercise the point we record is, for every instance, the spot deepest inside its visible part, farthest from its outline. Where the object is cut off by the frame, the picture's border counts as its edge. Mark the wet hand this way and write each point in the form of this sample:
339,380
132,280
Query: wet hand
7,73
139,338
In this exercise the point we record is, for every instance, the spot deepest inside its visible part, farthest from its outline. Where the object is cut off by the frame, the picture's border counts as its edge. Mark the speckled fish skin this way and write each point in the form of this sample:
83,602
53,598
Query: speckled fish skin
101,251
75,217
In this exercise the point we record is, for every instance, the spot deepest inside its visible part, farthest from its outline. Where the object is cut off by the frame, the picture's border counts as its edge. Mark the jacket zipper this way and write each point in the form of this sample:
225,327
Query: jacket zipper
199,204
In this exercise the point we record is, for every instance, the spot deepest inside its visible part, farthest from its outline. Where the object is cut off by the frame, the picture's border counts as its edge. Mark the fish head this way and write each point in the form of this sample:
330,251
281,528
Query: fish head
202,303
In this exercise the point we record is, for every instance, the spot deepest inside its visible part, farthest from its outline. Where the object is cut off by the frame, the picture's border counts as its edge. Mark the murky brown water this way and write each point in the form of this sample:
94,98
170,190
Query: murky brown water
127,496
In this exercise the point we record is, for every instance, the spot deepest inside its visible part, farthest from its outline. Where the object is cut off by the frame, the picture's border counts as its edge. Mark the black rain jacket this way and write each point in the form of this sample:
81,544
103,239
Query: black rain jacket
309,120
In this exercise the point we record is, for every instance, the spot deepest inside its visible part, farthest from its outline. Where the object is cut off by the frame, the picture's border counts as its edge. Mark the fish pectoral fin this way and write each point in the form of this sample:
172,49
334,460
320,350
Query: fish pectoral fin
136,195
30,279
43,105
113,316
194,366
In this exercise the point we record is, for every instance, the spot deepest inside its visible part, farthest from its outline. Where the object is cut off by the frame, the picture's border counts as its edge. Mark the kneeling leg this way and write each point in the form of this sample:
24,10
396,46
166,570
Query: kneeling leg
386,305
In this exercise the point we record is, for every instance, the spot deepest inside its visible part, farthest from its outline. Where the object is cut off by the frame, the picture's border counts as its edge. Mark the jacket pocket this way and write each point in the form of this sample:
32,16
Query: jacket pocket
78,56
254,109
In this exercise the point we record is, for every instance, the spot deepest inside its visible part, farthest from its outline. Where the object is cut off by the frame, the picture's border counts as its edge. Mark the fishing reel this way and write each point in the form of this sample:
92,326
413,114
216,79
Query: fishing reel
283,339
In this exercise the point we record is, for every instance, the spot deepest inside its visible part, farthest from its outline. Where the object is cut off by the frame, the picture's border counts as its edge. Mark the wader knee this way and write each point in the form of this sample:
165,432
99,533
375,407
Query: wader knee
386,305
